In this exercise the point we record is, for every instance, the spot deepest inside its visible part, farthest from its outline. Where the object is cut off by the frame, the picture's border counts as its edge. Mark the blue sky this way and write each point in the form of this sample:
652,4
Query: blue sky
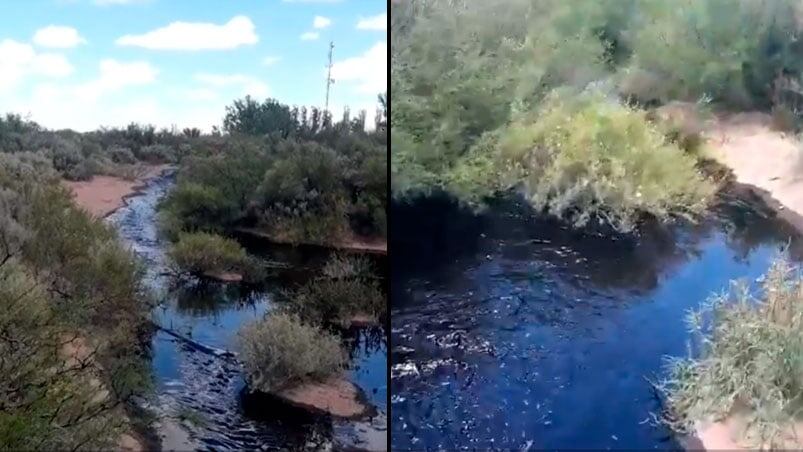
86,63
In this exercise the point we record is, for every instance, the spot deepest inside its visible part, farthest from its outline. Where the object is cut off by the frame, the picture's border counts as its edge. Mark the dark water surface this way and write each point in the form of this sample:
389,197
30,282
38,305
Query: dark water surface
210,391
511,332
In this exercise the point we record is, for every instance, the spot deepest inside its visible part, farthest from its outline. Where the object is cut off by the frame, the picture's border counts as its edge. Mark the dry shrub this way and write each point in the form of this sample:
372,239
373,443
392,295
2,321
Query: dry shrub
748,358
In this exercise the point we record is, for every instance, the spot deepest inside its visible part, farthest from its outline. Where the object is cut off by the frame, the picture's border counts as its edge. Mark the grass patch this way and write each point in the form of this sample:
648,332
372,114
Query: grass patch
281,350
748,358
198,253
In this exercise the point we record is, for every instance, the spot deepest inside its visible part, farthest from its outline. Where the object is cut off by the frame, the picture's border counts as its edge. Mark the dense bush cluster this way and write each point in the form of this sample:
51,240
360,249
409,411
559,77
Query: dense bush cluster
465,74
78,156
299,178
63,276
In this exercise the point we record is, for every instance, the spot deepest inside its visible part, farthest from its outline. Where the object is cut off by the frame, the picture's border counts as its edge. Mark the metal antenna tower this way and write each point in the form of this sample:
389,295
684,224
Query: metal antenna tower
329,79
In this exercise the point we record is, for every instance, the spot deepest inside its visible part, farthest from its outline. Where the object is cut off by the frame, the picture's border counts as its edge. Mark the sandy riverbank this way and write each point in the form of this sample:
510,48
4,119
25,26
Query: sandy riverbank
102,195
770,163
352,243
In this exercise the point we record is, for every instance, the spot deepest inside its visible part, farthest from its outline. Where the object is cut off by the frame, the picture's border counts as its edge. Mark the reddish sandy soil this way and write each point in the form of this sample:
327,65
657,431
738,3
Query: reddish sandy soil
102,195
226,277
336,396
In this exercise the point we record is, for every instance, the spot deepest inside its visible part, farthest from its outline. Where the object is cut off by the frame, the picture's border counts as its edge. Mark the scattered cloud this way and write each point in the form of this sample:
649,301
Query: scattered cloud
196,36
102,100
248,85
270,60
321,22
58,37
378,22
115,75
19,60
309,36
368,71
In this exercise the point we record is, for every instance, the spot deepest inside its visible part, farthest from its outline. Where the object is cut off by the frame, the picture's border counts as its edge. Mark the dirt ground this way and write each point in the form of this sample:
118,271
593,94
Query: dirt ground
102,195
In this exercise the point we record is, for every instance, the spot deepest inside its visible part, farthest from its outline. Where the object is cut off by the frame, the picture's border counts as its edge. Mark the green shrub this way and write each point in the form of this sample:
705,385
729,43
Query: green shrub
199,252
194,207
343,266
280,351
157,153
585,157
121,155
301,198
748,360
63,273
42,395
346,289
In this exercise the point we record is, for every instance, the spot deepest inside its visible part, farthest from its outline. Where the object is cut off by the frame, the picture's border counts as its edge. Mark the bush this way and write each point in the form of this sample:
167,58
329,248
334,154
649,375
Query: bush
280,351
347,288
301,198
199,253
121,155
748,360
585,157
193,207
157,153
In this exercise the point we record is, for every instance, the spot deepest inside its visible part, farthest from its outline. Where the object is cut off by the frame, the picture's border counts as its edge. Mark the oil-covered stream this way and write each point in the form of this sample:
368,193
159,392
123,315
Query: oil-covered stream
510,332
200,399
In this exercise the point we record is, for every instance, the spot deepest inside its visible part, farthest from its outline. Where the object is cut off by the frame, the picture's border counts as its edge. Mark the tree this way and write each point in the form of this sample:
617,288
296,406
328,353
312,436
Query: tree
249,117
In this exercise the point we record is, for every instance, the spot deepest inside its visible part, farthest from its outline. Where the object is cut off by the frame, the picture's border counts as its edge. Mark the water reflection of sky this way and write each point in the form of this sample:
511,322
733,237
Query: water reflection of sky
530,336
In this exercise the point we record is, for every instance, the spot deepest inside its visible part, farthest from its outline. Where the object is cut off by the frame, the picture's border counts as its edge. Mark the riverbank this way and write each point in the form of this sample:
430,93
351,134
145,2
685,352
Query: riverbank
352,243
769,163
103,195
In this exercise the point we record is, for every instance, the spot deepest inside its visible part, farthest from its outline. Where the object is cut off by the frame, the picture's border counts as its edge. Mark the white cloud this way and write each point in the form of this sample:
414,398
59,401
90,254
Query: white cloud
57,36
115,75
196,36
19,60
378,22
321,22
248,85
102,100
368,71
270,60
309,36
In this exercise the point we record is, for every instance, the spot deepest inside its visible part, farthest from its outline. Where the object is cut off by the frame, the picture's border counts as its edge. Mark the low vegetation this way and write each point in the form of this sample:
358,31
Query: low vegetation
480,91
201,254
64,280
281,351
748,360
346,289
585,158
79,156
